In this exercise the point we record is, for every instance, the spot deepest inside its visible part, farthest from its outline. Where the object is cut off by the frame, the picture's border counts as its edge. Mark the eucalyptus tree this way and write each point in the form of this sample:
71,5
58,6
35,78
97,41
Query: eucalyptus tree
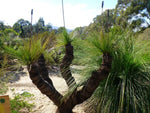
104,20
136,13
22,27
40,27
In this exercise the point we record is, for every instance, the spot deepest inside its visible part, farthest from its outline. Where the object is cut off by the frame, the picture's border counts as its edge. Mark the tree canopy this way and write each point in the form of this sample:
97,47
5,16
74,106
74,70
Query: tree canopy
135,13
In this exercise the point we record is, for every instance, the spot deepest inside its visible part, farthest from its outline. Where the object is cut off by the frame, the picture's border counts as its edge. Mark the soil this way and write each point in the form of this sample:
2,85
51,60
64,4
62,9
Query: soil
42,103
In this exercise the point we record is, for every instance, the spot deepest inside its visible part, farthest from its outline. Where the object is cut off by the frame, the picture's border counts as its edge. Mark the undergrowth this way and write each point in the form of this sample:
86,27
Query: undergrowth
20,105
3,88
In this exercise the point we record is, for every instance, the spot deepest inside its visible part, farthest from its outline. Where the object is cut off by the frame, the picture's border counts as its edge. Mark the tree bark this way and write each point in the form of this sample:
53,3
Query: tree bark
43,70
65,65
40,78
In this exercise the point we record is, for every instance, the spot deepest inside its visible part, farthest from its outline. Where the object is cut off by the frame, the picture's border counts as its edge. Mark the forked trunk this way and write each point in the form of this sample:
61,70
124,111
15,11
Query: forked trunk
86,92
39,76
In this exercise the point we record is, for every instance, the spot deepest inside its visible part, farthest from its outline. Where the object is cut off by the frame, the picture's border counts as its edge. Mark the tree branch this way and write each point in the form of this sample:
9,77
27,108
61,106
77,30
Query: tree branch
94,80
65,65
43,84
43,70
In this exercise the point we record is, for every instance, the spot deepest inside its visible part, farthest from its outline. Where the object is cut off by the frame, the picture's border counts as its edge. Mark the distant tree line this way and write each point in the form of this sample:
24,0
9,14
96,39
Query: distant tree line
24,29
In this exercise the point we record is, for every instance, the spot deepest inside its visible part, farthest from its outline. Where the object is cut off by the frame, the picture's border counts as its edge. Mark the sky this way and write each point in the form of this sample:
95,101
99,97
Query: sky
78,13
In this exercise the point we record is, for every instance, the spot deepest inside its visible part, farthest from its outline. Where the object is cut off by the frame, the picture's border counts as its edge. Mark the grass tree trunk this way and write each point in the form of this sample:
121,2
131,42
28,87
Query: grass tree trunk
43,70
65,65
86,92
39,76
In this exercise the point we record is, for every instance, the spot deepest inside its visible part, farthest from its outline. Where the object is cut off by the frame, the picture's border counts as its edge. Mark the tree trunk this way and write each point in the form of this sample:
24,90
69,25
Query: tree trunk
86,92
43,70
39,76
65,66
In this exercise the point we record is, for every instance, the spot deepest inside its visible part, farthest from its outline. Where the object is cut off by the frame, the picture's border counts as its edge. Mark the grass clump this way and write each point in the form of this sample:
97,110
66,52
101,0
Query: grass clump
19,105
27,94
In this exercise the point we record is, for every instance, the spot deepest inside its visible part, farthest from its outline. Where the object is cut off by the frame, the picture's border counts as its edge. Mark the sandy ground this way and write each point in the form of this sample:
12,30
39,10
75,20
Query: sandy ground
42,103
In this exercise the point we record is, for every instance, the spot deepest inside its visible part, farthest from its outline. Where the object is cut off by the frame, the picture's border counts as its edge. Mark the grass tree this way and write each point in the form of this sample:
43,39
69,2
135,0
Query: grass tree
45,85
115,58
126,90
35,62
65,40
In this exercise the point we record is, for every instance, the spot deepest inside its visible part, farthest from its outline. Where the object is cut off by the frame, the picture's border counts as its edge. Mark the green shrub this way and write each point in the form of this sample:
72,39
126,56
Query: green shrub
19,103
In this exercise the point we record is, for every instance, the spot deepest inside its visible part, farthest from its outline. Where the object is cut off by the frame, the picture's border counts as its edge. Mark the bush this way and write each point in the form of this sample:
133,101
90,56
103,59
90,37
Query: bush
18,104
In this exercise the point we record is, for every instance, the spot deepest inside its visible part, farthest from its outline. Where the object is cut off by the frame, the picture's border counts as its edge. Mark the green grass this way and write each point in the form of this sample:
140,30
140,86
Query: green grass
27,94
19,103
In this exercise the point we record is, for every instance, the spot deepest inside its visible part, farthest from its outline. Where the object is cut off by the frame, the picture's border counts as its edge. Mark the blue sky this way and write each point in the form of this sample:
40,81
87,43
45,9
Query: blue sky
77,12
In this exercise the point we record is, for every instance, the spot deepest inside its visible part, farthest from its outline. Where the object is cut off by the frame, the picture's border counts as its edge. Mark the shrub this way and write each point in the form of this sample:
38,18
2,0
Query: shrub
18,103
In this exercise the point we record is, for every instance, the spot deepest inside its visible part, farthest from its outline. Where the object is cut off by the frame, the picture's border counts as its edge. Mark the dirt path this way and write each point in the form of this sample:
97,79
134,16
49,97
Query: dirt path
42,103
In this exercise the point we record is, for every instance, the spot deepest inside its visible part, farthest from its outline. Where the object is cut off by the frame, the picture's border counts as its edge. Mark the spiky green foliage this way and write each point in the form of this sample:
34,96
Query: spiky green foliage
101,43
80,48
126,89
29,52
51,57
98,43
64,38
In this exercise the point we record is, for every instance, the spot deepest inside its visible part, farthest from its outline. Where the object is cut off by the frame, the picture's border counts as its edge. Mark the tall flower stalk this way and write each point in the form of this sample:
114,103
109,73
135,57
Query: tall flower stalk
63,13
31,20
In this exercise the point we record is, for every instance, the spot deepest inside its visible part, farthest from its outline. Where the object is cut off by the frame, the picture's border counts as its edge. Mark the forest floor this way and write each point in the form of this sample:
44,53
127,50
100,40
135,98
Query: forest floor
42,103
